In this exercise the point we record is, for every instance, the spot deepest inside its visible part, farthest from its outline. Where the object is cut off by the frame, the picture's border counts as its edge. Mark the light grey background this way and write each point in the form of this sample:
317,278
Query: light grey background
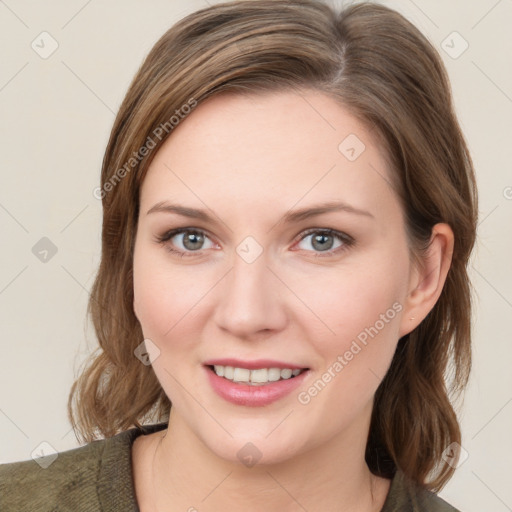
56,115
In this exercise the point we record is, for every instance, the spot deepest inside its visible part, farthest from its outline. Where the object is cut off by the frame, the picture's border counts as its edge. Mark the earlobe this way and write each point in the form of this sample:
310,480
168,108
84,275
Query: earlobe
427,280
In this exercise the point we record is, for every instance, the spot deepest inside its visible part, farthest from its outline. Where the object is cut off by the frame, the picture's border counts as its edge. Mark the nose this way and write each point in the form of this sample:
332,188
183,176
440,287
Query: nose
251,299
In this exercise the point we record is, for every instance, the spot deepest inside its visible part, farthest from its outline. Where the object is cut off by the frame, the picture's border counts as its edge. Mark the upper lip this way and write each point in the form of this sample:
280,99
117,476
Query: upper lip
254,364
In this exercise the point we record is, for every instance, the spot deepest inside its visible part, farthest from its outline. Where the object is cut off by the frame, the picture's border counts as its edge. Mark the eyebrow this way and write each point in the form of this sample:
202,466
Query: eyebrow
288,218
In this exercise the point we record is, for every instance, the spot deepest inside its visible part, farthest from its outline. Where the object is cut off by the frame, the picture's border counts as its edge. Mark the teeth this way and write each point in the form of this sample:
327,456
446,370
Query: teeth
274,374
286,373
229,372
259,376
255,377
241,374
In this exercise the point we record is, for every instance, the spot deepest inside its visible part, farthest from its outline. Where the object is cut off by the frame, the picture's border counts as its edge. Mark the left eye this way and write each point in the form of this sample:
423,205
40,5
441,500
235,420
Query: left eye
324,240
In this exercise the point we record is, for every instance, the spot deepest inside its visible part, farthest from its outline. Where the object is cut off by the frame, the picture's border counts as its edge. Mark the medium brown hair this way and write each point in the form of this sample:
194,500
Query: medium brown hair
381,68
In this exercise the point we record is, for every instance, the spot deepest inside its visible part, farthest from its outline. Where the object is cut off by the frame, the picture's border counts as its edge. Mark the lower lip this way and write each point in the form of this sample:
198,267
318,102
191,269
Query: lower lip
253,396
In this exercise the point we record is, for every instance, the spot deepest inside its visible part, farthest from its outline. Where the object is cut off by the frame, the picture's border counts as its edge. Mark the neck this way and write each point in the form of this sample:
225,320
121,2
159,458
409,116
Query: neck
187,476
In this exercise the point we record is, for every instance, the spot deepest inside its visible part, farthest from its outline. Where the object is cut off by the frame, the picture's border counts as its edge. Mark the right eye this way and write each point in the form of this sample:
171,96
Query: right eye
191,243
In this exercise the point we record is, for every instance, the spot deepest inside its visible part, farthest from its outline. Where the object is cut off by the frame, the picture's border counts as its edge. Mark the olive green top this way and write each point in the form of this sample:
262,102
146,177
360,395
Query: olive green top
98,477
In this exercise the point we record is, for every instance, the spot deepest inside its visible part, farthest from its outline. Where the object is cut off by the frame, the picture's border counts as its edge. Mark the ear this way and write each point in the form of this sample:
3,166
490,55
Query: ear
427,279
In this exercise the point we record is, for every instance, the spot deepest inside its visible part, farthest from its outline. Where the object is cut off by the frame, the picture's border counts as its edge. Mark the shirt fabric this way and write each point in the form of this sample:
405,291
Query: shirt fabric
98,477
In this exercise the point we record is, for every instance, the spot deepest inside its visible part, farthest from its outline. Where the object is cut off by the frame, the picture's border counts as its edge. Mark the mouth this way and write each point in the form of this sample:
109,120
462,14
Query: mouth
255,376
254,383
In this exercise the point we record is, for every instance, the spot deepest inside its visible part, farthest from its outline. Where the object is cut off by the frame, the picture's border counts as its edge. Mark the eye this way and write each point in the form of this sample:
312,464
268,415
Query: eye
323,240
193,240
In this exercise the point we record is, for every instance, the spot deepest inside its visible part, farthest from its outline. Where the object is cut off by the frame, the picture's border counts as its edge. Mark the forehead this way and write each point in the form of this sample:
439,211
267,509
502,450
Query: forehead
271,148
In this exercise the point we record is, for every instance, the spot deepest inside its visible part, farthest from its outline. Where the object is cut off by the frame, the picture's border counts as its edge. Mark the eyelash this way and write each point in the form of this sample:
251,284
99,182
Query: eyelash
347,240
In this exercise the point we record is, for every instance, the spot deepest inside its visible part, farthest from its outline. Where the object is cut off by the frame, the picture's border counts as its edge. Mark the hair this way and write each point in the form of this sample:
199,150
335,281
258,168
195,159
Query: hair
380,67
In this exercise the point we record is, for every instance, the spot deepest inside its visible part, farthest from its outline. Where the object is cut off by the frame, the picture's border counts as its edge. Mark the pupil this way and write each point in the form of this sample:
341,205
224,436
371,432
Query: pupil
193,238
322,246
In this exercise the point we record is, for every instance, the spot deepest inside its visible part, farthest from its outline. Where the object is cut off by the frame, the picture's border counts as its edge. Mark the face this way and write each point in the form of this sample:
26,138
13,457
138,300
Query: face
248,280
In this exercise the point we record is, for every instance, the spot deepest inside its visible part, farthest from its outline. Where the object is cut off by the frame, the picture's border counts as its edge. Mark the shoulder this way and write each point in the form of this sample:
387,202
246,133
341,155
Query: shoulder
406,496
44,483
96,476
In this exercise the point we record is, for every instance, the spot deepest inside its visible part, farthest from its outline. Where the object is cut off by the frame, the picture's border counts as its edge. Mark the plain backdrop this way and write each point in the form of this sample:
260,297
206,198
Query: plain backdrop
56,114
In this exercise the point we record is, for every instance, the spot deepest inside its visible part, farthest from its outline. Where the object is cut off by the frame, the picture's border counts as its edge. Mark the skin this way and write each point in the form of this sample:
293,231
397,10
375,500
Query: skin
249,160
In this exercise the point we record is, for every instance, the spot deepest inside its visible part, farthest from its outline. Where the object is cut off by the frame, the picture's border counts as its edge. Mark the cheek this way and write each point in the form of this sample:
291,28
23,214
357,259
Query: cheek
151,293
164,305
357,311
166,300
364,313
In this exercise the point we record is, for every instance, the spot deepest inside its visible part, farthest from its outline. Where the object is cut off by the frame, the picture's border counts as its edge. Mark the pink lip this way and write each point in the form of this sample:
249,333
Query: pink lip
253,396
252,365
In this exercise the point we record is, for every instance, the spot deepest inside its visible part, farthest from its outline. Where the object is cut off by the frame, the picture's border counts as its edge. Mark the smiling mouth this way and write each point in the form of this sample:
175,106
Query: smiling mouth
255,377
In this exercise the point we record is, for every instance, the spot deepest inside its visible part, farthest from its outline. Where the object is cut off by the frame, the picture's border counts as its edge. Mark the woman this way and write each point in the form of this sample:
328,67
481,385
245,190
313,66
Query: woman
289,209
